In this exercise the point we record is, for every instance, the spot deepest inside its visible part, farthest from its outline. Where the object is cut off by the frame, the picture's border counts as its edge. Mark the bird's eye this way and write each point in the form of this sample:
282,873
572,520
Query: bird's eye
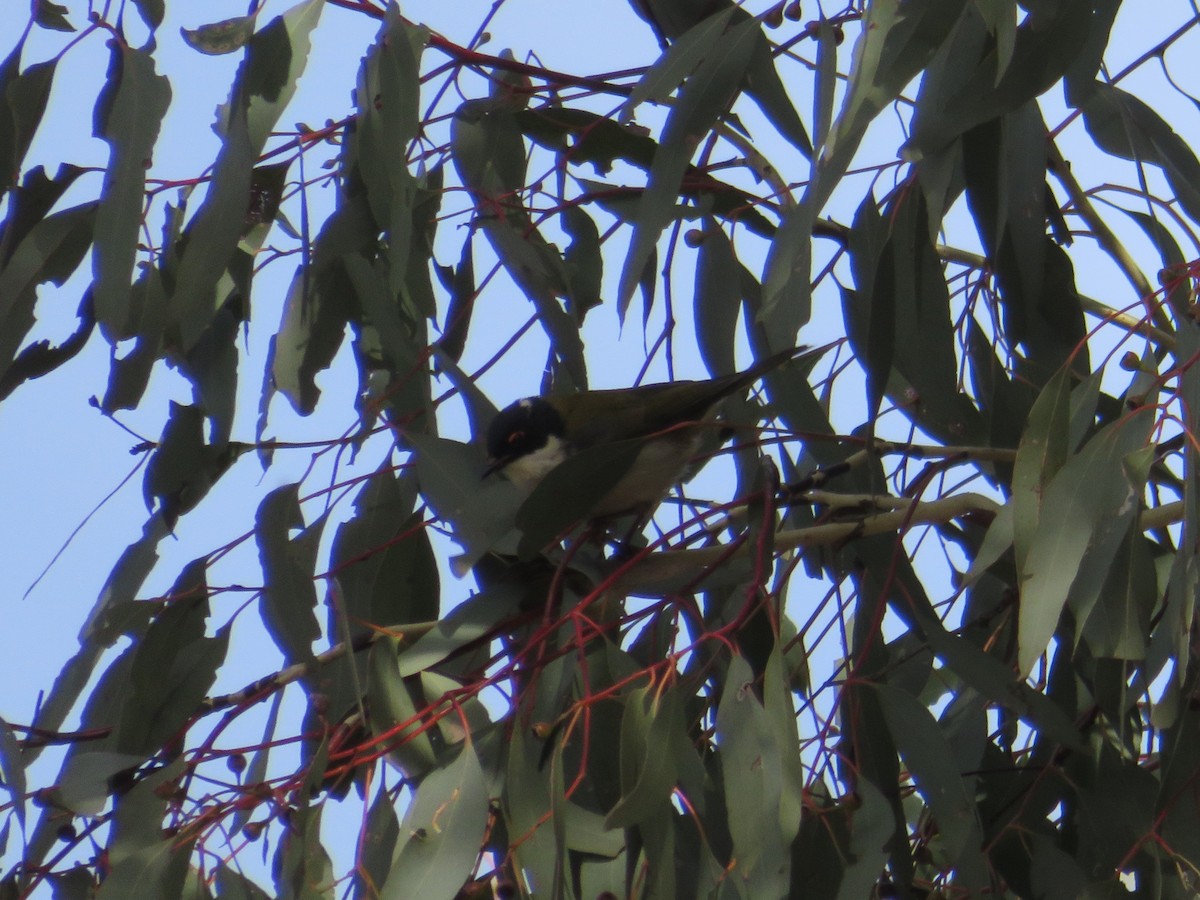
516,437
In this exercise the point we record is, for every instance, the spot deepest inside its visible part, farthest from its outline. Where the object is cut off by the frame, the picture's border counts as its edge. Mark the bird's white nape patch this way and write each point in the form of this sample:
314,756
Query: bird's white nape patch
526,471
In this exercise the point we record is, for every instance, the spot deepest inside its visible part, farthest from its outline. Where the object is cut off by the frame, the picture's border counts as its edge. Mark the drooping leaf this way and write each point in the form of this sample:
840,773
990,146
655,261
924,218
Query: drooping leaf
870,310
751,765
451,478
1042,452
692,42
151,11
128,114
318,304
383,560
583,261
931,764
705,96
184,467
489,155
302,868
173,669
1125,126
647,773
896,41
441,832
395,719
289,594
972,81
142,857
23,97
275,58
50,251
718,301
12,770
381,834
1085,509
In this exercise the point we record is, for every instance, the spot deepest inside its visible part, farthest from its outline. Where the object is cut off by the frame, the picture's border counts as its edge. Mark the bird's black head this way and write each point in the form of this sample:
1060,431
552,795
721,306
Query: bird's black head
521,429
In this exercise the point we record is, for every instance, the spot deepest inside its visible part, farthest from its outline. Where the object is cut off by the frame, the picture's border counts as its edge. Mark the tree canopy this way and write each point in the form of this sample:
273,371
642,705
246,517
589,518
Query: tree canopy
924,627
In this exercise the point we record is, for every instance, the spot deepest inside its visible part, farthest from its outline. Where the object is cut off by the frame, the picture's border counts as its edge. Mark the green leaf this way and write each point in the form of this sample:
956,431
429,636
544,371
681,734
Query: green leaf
302,868
151,11
174,667
441,832
390,704
1001,20
318,304
41,357
266,81
870,833
526,804
12,770
826,80
766,89
489,155
183,467
780,707
233,885
935,772
583,260
129,112
706,96
870,309
51,251
677,62
383,560
23,101
1125,126
1043,450
218,38
1081,74
648,772
752,770
925,383
718,300
388,96
51,16
1087,505
466,623
896,42
1095,571
398,344
256,771
971,82
380,832
1118,626
571,490
451,477
143,859
1177,289
289,594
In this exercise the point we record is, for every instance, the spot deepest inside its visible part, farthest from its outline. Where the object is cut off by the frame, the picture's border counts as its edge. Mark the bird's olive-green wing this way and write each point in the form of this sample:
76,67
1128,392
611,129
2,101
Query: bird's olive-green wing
620,414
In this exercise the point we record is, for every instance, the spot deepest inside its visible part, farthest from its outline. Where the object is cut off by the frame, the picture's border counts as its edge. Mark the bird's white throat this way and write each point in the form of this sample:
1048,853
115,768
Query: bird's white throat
526,471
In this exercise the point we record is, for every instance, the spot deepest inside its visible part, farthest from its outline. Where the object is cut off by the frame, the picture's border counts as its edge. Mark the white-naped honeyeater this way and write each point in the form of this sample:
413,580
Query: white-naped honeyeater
662,428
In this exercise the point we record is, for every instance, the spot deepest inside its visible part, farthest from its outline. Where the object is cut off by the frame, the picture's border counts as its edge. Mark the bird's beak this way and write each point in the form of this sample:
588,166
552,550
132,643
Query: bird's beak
493,466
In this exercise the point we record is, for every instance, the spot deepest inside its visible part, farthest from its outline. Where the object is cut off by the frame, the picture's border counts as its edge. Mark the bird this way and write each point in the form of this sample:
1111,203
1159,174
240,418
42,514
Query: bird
666,426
